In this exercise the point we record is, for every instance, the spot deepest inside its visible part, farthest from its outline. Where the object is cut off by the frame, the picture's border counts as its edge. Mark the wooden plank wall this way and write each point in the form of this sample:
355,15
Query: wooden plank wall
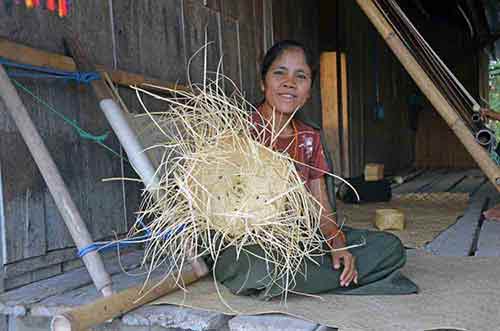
298,20
371,139
470,68
32,226
154,38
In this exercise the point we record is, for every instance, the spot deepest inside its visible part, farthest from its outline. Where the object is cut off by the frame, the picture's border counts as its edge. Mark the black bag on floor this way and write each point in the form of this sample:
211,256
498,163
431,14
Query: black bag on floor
376,191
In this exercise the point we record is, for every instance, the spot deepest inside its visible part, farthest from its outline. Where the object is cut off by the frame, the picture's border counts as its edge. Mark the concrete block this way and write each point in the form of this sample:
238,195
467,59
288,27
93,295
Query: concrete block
173,317
271,322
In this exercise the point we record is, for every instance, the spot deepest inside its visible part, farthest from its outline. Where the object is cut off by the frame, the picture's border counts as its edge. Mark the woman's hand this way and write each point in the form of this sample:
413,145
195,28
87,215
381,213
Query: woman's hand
343,257
334,237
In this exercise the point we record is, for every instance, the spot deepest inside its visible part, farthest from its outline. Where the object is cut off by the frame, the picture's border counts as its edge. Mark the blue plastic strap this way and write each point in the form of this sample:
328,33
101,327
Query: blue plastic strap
43,72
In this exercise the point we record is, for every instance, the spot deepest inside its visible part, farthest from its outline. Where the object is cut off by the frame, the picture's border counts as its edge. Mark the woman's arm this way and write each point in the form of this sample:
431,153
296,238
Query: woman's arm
335,237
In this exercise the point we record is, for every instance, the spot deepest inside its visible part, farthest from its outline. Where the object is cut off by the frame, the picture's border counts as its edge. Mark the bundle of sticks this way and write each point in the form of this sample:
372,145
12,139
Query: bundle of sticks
450,87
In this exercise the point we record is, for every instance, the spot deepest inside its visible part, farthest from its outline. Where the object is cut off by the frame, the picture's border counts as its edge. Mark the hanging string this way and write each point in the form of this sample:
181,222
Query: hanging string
81,132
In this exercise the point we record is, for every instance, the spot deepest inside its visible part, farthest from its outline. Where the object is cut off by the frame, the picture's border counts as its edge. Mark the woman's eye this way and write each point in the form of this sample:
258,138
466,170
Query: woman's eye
301,76
279,72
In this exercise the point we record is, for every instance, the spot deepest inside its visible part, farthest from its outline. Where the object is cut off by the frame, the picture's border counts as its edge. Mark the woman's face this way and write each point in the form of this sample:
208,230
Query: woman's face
287,85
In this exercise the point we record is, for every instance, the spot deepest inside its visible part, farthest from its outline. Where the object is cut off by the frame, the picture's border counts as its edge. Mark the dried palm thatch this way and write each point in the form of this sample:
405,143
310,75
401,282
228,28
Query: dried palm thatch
220,187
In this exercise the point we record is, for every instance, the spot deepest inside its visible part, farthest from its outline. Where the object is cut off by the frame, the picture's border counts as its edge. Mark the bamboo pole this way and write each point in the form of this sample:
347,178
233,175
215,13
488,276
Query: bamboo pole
85,317
330,106
432,93
54,181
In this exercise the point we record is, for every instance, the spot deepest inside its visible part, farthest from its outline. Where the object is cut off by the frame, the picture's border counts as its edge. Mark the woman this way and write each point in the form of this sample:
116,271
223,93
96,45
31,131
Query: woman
287,76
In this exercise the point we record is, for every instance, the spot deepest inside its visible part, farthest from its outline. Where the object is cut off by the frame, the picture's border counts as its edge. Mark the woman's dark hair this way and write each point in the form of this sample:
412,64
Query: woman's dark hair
278,48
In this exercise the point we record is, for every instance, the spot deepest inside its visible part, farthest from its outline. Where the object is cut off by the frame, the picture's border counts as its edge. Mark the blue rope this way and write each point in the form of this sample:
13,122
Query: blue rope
43,72
107,245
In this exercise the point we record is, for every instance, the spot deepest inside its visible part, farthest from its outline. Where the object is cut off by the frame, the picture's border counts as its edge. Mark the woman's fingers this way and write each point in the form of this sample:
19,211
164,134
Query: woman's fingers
349,271
336,260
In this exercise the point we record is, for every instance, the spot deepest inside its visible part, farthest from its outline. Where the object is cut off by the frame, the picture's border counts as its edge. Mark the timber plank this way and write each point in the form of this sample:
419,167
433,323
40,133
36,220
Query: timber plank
201,27
16,301
469,184
64,146
32,276
458,239
23,190
330,107
445,182
149,36
230,55
419,182
249,73
259,35
26,265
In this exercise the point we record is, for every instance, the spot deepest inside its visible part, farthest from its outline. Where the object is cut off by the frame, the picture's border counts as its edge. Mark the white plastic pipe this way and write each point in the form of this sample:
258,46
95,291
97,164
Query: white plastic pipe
129,141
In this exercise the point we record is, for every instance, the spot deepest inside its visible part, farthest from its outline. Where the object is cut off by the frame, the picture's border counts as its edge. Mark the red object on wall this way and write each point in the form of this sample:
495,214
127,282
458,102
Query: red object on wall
63,8
51,5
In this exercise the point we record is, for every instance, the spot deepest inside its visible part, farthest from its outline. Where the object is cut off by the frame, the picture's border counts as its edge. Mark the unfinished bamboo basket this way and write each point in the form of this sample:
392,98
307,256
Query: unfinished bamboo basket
220,186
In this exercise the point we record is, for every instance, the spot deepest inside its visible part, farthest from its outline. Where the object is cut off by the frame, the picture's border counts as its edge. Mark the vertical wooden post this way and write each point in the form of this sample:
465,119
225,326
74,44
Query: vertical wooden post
54,181
430,90
330,107
346,165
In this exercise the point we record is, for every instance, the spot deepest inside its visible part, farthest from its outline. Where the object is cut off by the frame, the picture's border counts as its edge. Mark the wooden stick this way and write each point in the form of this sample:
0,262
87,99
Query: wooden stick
28,55
90,315
430,90
330,106
54,181
346,166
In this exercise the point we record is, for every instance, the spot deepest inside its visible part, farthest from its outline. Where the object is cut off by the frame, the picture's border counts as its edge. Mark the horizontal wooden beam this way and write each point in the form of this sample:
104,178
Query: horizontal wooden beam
27,55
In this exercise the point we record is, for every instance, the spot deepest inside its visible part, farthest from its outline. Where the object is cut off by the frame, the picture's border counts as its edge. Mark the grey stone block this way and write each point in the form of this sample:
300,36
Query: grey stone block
274,322
178,318
4,322
29,323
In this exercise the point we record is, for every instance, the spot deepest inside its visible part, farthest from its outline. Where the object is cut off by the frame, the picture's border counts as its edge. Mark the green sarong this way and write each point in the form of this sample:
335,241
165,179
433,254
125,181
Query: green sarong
378,263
